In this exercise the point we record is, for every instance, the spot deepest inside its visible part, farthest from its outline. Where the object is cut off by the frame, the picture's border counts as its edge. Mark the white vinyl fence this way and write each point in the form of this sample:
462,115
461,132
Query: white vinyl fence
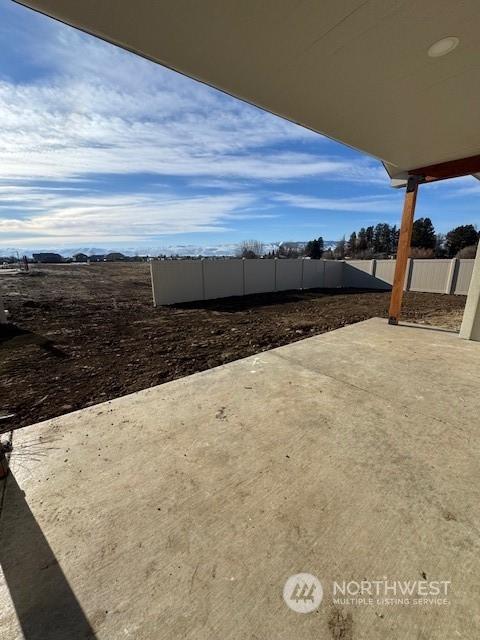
431,276
190,280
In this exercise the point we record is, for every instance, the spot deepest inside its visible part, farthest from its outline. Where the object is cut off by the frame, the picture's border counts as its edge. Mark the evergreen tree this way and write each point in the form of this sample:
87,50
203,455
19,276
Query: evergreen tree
352,244
362,240
314,248
381,238
369,233
423,234
394,235
321,246
459,238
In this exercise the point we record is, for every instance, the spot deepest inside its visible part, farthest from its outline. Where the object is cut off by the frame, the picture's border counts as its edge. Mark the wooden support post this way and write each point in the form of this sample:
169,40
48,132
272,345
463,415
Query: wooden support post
403,249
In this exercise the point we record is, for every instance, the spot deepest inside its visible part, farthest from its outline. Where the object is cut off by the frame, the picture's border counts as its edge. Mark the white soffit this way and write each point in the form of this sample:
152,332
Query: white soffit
357,71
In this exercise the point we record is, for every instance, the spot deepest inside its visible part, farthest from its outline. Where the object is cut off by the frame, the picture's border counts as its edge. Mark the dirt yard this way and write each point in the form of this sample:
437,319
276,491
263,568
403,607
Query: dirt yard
82,334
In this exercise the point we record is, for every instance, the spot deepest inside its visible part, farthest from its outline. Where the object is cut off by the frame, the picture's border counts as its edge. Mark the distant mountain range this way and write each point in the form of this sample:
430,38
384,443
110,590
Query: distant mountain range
226,249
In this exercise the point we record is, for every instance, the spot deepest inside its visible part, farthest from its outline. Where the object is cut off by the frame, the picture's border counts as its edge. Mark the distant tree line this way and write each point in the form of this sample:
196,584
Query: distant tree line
379,241
382,240
250,249
256,249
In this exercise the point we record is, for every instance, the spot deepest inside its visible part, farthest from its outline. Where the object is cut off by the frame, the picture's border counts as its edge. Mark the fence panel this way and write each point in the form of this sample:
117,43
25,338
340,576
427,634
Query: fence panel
333,274
362,265
188,280
288,274
359,274
176,281
385,270
313,274
356,273
430,276
259,276
463,276
223,278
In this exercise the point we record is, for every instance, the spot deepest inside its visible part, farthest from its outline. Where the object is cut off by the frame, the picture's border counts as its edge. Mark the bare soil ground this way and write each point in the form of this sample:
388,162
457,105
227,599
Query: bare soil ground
83,334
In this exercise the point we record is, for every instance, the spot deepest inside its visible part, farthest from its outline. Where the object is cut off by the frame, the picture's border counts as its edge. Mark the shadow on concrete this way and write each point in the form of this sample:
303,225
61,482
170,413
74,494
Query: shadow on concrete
252,301
45,604
412,325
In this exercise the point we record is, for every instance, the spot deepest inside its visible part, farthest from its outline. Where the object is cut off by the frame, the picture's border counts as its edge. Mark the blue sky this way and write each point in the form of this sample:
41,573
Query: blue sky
102,148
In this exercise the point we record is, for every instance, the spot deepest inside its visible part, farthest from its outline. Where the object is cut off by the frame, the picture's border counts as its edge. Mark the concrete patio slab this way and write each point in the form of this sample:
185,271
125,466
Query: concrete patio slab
180,511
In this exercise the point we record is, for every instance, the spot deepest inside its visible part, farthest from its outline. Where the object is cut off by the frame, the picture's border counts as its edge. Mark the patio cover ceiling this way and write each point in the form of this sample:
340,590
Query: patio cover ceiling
357,71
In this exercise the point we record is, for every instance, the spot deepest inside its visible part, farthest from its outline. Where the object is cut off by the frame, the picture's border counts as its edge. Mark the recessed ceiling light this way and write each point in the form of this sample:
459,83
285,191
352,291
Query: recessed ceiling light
443,46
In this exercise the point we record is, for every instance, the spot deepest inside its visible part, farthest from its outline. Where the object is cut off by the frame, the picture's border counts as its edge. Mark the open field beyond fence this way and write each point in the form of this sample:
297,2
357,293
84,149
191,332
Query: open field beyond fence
83,334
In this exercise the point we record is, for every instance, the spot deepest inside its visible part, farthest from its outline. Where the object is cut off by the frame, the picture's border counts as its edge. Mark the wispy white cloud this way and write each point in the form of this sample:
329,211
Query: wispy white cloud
113,218
101,109
65,131
97,110
465,186
370,204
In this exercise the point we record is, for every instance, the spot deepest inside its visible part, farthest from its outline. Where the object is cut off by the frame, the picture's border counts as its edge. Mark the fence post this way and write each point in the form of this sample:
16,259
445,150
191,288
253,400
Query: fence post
450,286
408,275
301,282
275,274
373,267
243,274
203,278
152,280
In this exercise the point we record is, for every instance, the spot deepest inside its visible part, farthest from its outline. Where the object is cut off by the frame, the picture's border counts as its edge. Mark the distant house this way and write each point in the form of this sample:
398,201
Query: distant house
115,257
80,257
47,257
97,257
